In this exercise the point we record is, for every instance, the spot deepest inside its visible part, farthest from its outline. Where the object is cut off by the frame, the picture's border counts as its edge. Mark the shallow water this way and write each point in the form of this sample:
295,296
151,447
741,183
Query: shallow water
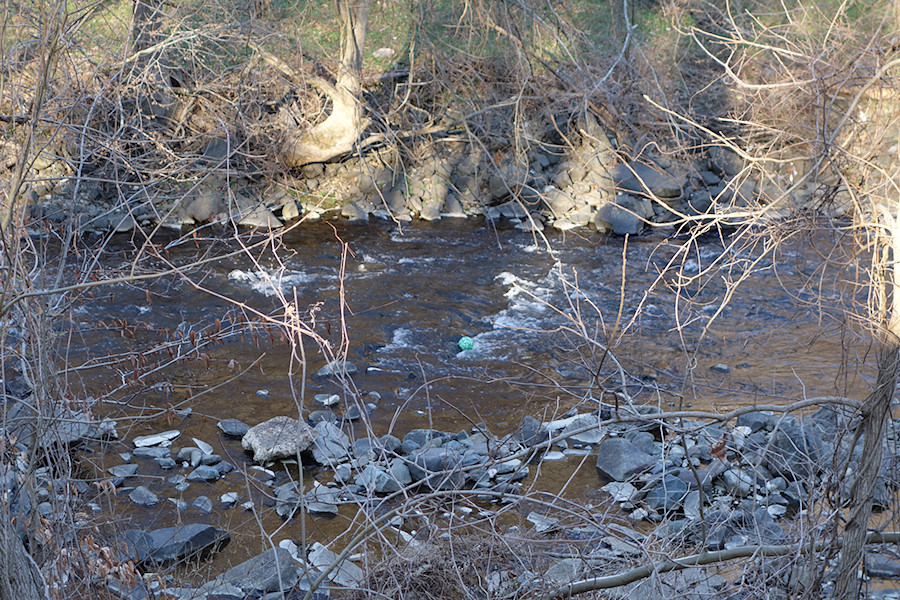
540,311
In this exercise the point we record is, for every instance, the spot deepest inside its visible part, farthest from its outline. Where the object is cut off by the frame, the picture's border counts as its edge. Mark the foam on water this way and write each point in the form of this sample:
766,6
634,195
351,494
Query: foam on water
270,281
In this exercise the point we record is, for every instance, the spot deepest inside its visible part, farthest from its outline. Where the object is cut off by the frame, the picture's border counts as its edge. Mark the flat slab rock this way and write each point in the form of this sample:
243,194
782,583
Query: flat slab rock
620,460
174,544
279,437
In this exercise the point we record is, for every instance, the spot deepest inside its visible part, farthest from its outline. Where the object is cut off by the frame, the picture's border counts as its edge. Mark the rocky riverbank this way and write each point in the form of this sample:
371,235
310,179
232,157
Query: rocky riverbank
588,182
699,484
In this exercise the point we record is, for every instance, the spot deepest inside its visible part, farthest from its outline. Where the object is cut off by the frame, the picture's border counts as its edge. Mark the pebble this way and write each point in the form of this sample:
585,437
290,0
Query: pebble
203,504
229,498
233,428
141,495
123,470
205,448
204,473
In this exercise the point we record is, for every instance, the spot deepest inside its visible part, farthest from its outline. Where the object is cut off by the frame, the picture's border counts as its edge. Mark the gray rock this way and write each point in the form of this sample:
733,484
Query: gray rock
166,462
327,399
156,439
223,467
668,494
275,570
279,437
591,436
323,501
205,448
531,432
123,471
565,571
644,179
377,479
621,460
755,421
738,482
141,495
331,445
318,416
882,567
336,368
204,473
151,452
203,504
233,428
346,574
796,452
620,217
174,544
725,162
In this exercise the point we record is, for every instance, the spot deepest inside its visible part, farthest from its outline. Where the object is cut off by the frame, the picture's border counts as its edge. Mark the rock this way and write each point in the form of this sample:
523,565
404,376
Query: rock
882,567
531,432
327,399
565,571
321,500
796,452
738,482
156,439
141,495
203,504
336,368
204,473
725,162
645,180
668,494
331,445
620,492
151,452
620,460
279,437
620,217
346,574
229,498
123,471
233,428
592,436
755,421
174,544
256,215
436,467
275,570
205,448
378,480
542,523
166,462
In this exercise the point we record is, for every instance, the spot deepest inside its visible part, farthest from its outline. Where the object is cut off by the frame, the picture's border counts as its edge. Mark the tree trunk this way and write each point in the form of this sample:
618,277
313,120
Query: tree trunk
874,415
20,578
338,133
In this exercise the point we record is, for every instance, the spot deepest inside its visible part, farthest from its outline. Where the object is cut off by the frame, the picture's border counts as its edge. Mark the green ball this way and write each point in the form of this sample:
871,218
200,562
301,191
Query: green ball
466,343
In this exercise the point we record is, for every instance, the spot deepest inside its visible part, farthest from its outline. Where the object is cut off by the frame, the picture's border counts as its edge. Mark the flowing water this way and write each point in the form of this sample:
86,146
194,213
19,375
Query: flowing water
541,312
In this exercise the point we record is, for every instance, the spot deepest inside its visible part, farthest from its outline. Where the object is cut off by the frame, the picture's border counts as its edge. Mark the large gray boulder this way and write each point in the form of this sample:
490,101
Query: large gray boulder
279,437
174,544
275,570
646,180
621,460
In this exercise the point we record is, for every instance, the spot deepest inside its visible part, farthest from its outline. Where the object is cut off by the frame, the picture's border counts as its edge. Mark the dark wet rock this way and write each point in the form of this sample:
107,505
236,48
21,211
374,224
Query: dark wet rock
331,445
141,495
420,438
279,437
204,473
725,162
166,462
755,421
668,494
620,460
796,452
180,482
123,471
352,413
275,570
336,368
233,428
151,452
174,544
223,467
203,504
436,467
210,459
621,217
